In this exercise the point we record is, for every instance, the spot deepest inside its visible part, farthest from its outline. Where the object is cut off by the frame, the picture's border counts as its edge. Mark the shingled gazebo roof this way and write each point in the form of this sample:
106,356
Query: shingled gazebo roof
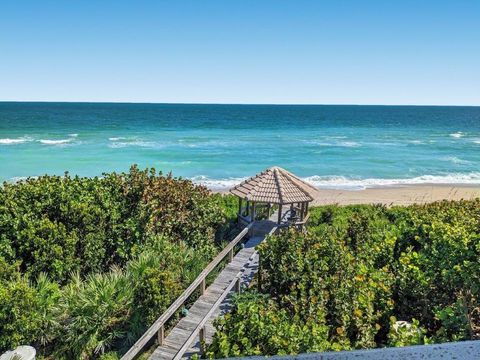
276,186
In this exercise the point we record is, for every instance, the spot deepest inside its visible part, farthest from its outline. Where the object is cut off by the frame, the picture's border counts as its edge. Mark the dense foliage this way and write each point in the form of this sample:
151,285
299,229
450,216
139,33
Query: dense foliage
86,264
362,277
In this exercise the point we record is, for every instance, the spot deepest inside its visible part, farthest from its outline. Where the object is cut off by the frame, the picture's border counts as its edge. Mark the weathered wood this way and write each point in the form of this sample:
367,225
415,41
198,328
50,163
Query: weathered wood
233,284
180,338
202,287
201,325
202,340
161,335
150,333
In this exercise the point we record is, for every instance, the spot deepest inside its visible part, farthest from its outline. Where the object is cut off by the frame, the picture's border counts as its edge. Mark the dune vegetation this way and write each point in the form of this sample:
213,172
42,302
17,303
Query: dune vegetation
87,264
362,277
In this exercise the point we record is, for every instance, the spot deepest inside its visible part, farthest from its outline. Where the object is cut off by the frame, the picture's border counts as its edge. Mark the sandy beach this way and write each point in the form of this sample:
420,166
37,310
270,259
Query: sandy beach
405,195
397,195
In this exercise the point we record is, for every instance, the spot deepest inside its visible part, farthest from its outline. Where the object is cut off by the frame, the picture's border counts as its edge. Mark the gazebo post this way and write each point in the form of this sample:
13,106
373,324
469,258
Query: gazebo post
240,206
279,214
247,208
269,207
253,211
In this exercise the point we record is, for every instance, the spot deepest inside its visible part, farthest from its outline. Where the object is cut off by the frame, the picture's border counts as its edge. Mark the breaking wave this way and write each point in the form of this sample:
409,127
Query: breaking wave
455,160
217,184
341,182
457,135
138,143
72,137
9,141
55,142
346,183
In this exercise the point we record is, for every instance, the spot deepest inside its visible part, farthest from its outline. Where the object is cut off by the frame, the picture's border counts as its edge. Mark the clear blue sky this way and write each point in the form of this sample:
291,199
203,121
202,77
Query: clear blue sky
321,52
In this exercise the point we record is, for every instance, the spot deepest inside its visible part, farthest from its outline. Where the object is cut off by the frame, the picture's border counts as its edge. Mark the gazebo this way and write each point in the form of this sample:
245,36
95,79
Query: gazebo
277,192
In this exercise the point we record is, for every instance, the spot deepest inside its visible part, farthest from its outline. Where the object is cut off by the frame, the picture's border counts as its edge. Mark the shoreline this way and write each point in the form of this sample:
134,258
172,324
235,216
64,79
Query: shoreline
394,195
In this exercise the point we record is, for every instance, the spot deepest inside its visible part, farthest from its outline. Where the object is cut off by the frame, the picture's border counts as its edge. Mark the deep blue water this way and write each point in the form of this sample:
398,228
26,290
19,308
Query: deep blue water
331,146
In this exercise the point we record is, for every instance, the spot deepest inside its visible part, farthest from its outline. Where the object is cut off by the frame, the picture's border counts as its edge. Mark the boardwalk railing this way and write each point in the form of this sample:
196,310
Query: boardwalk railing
200,329
158,327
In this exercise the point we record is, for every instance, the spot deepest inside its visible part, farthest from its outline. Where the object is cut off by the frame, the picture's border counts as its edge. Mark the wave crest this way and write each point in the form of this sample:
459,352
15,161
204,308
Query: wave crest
457,135
341,182
54,142
346,183
217,184
9,141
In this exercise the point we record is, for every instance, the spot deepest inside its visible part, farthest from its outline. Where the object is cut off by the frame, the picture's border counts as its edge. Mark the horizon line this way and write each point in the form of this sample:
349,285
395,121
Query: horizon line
226,103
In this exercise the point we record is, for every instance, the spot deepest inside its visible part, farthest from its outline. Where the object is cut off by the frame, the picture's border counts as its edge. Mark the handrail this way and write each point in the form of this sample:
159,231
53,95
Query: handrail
202,323
217,303
157,326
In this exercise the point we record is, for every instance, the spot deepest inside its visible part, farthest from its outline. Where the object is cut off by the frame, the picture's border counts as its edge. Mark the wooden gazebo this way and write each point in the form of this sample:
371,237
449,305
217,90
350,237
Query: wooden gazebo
274,191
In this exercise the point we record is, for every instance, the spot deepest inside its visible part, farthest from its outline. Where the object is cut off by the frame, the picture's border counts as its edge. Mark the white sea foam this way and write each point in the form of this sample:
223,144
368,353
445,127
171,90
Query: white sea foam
232,143
116,138
454,160
55,142
341,182
217,184
351,144
346,183
457,135
73,135
139,143
9,141
17,179
416,142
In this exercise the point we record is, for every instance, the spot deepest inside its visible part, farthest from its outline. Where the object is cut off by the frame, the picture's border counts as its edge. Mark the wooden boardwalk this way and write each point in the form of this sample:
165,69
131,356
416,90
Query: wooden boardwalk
178,343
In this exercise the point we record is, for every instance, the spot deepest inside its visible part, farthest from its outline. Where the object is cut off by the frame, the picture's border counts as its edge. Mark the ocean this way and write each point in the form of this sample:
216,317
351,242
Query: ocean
344,147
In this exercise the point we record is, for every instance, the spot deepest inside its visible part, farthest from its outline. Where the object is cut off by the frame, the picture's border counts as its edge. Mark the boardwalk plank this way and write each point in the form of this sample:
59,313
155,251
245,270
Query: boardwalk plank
244,265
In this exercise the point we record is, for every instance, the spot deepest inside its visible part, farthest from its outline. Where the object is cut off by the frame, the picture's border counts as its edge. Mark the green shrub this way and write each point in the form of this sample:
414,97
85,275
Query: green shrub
361,266
20,321
61,225
133,241
94,314
403,333
259,326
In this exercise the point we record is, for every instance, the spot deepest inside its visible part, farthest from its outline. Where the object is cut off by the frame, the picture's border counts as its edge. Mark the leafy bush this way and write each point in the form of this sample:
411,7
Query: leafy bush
19,318
61,225
260,326
359,267
87,264
403,333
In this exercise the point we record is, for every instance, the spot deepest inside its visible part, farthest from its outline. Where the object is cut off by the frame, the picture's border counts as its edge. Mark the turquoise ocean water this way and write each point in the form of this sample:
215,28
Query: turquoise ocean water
331,146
